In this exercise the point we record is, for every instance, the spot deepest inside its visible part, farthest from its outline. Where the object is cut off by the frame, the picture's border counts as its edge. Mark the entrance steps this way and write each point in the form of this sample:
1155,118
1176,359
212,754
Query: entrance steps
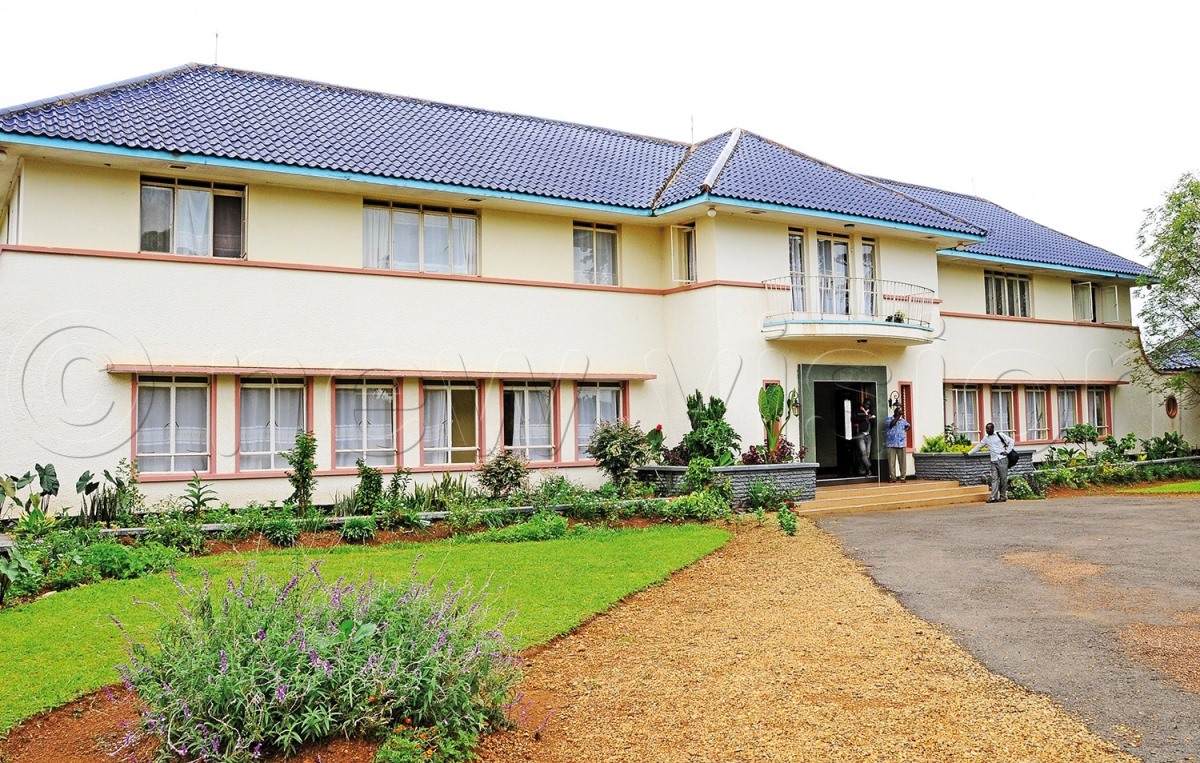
882,496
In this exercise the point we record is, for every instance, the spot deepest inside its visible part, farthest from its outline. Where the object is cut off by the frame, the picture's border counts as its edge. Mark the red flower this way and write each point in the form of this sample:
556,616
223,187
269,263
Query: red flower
659,427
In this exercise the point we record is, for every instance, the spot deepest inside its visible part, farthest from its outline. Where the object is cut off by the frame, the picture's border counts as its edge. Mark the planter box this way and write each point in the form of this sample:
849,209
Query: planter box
799,478
967,470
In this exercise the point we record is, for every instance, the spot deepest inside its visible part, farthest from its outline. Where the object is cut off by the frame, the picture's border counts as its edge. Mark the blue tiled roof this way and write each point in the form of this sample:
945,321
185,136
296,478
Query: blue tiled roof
1179,354
211,111
764,171
1011,236
685,184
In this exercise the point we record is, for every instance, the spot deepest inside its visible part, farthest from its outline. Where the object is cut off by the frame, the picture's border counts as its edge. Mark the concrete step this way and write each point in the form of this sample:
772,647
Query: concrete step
886,496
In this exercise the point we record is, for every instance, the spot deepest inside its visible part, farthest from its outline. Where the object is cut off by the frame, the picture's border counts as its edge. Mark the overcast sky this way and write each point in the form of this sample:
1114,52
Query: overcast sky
1078,115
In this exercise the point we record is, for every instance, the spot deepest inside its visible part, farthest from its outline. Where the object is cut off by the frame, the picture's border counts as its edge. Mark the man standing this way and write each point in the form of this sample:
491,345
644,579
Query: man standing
895,429
864,423
998,446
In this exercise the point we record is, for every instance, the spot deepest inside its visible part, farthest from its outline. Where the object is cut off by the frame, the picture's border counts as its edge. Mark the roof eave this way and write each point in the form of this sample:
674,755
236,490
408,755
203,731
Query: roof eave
1037,264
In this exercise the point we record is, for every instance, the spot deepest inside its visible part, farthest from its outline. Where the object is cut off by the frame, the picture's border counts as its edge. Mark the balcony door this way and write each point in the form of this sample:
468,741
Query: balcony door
868,277
796,269
833,261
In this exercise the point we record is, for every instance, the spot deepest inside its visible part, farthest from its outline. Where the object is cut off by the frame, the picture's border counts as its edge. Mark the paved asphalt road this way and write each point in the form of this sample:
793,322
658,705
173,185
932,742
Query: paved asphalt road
1079,572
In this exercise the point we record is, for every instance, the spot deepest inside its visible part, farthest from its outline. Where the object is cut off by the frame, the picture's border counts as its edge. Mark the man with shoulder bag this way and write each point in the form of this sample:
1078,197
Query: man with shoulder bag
999,446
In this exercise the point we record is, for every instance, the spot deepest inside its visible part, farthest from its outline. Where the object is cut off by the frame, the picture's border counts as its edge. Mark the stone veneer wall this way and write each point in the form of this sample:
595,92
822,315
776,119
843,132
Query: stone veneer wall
799,478
967,470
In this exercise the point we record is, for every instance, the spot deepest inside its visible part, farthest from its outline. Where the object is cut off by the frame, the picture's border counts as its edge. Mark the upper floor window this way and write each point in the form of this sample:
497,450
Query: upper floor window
594,403
869,263
420,238
529,420
683,253
1096,303
796,267
451,423
172,424
595,253
193,217
364,422
1006,294
272,413
833,272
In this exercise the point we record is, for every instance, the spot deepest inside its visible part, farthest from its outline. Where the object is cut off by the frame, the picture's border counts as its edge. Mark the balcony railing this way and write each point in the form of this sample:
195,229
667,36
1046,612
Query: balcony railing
802,299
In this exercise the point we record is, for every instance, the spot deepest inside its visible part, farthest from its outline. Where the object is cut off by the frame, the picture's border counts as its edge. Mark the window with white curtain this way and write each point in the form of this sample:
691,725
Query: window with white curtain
272,412
1067,399
1007,294
594,403
683,253
420,238
364,422
451,423
595,253
529,420
796,267
833,270
1037,425
203,219
1096,410
1002,411
962,409
172,424
868,275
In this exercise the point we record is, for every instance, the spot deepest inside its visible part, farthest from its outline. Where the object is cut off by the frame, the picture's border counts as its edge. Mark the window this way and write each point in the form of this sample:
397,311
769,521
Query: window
683,253
451,423
271,413
364,422
1002,411
1095,303
172,424
1096,412
594,403
595,253
962,410
192,217
1037,426
420,238
868,276
528,420
1068,398
1006,294
833,260
796,267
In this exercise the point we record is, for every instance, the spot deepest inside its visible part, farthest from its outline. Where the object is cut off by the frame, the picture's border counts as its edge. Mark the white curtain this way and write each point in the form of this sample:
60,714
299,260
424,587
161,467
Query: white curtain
256,427
1066,409
193,222
606,258
154,428
538,412
289,421
796,264
375,238
191,429
437,243
518,436
437,413
1002,410
406,240
585,261
381,417
156,218
586,409
347,428
1035,413
465,244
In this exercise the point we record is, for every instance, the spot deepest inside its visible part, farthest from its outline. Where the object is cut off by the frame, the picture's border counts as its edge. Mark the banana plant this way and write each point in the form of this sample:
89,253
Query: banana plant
775,409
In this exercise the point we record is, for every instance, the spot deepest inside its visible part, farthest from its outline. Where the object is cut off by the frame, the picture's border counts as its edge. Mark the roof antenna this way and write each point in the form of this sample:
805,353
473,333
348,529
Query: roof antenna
693,118
216,46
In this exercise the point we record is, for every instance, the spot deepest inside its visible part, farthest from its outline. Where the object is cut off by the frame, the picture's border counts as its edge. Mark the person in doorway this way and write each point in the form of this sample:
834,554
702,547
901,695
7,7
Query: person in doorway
998,446
895,429
864,423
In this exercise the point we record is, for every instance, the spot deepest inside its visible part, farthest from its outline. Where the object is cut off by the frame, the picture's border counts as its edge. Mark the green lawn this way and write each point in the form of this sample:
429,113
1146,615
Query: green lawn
1174,487
65,645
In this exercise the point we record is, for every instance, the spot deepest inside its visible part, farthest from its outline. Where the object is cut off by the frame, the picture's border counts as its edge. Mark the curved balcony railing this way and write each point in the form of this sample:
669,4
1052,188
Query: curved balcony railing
833,298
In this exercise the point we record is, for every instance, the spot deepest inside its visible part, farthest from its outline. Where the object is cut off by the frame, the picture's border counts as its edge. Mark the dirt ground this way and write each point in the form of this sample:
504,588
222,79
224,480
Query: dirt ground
773,648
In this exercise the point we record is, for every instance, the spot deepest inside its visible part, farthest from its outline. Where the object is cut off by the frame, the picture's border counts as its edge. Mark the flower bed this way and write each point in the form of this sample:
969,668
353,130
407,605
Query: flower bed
798,478
966,469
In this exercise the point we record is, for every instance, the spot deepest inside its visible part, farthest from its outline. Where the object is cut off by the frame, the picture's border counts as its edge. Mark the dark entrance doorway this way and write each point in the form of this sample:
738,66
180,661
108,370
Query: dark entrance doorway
834,406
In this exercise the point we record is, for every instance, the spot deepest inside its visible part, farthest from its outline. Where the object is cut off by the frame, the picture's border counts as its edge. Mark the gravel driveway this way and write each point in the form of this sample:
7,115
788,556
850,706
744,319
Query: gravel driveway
1093,601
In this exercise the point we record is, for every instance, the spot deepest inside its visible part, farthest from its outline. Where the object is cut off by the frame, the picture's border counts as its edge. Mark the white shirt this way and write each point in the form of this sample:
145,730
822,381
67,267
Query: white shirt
997,445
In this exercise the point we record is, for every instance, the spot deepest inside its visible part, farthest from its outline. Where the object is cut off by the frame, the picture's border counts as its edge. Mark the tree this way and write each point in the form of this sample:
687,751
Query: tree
1170,312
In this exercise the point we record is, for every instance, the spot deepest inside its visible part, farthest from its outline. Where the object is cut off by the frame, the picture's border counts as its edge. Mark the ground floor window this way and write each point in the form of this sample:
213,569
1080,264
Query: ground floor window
1068,404
1003,417
594,403
364,422
962,410
450,423
271,413
1097,410
172,424
529,420
1037,426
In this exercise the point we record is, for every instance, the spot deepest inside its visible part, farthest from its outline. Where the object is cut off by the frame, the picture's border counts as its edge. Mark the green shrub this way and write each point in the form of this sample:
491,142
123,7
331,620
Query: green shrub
619,448
711,436
700,476
263,667
555,490
1019,489
544,525
787,520
1118,450
503,474
114,560
396,514
15,572
946,442
174,529
369,491
68,573
358,529
703,505
198,495
282,531
302,459
409,744
1169,445
1083,435
765,495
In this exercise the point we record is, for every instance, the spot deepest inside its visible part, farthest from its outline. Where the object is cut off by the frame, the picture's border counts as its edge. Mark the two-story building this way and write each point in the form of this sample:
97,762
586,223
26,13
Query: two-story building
200,263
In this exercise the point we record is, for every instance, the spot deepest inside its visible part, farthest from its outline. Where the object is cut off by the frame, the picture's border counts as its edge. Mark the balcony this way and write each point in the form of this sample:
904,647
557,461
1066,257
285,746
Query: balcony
837,308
